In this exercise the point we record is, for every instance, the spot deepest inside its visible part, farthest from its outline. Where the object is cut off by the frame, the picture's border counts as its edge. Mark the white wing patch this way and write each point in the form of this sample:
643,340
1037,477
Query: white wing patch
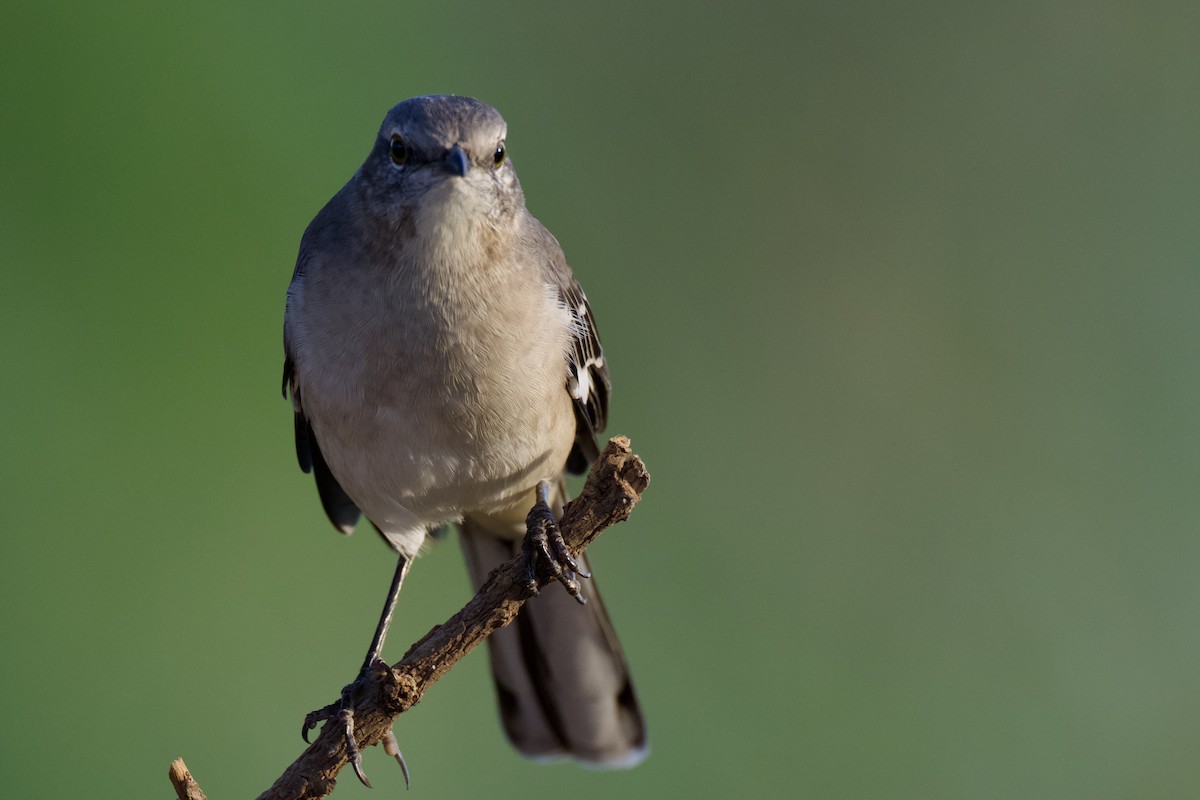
586,374
579,383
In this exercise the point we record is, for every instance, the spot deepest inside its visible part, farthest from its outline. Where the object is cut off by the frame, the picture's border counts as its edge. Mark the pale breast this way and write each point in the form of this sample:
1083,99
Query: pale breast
430,399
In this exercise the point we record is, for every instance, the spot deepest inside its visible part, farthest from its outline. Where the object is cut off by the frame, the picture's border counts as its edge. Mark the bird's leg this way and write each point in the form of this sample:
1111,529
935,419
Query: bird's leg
544,543
341,710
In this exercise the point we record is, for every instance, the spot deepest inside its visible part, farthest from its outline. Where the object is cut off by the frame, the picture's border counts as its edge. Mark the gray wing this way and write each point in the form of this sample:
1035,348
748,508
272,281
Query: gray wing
321,234
340,509
587,372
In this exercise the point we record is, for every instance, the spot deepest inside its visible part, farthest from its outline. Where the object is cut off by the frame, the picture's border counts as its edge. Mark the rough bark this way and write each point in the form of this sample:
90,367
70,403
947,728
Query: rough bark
186,787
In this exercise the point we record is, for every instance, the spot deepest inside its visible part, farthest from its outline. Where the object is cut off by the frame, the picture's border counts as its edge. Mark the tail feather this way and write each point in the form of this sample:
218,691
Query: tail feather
562,683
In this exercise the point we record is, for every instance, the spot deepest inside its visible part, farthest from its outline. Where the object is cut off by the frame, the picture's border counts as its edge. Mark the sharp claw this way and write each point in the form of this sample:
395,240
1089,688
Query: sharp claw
403,768
345,718
357,764
572,587
314,718
392,748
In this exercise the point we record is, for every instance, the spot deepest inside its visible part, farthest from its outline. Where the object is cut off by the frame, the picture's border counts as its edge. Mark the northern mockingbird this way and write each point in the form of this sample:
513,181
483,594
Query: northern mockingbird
444,367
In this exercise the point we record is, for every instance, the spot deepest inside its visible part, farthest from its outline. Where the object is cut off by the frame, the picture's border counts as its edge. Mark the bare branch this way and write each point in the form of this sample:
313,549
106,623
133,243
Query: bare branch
614,486
186,787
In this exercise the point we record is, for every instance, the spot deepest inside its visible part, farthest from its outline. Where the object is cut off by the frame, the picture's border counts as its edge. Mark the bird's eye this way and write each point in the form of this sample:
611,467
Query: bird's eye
399,150
498,156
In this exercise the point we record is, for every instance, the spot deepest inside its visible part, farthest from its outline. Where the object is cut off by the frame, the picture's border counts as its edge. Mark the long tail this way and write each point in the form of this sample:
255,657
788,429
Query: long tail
561,680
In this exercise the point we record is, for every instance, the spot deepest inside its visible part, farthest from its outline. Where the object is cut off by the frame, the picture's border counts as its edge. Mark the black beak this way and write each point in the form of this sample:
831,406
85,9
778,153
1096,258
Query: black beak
456,162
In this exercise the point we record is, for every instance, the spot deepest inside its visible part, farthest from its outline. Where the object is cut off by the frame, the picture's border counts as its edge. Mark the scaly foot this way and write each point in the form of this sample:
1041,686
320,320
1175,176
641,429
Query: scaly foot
544,543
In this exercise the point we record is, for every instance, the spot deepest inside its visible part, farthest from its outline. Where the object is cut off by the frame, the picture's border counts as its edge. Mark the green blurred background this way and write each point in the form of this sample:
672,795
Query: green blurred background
901,307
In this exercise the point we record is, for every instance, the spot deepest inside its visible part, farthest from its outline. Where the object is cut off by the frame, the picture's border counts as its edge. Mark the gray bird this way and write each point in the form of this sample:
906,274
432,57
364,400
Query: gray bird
444,367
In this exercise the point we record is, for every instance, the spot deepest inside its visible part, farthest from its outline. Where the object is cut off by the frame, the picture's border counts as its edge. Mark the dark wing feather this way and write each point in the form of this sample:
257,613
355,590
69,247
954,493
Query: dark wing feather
340,509
587,372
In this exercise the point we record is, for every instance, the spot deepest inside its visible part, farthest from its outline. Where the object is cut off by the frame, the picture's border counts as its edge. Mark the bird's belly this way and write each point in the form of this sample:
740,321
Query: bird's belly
414,454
